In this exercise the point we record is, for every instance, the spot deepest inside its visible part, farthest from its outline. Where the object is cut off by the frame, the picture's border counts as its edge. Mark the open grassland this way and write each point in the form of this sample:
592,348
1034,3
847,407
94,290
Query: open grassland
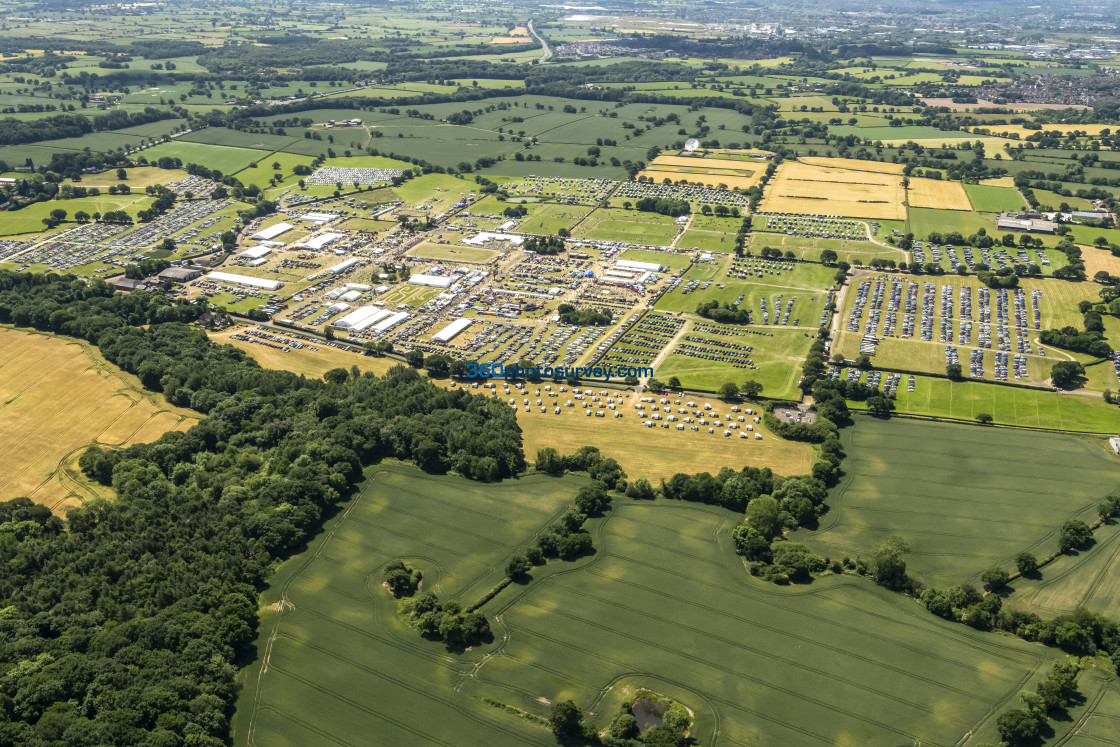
710,233
934,193
56,398
924,221
334,659
548,218
635,227
452,253
810,248
819,190
965,497
665,604
993,199
1018,406
225,158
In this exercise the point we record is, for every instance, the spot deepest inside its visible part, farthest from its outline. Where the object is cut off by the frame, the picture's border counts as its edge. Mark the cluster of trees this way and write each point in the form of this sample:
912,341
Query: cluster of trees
16,131
1022,725
1068,338
402,580
569,727
664,206
723,313
149,599
544,244
588,317
145,268
446,621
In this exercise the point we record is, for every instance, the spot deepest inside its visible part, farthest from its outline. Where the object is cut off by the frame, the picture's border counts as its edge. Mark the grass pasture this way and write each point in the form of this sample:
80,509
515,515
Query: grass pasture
933,193
993,199
810,248
225,158
632,226
964,497
820,190
452,253
56,398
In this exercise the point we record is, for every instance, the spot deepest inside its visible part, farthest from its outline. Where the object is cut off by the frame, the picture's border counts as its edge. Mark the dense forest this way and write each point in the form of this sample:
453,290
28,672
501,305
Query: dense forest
122,626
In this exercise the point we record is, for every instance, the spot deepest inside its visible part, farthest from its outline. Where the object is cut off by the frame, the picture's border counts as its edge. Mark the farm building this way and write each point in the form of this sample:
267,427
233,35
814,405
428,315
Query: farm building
180,274
448,333
432,281
322,241
361,318
267,234
257,252
227,277
343,266
1031,222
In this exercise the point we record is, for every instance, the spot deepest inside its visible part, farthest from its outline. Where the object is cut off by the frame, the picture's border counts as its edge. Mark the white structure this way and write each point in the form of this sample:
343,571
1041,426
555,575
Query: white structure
432,281
322,241
358,287
319,218
338,307
389,322
257,262
343,266
255,253
350,296
485,236
266,234
448,333
361,318
631,265
1114,442
226,277
382,289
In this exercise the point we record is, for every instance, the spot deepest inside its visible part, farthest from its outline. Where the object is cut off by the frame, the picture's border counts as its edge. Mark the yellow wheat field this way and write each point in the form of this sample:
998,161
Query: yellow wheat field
58,396
933,193
854,164
819,190
711,172
1023,132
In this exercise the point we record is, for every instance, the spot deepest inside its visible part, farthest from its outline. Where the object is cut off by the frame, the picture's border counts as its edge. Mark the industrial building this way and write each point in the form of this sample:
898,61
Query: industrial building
180,274
451,331
227,277
267,234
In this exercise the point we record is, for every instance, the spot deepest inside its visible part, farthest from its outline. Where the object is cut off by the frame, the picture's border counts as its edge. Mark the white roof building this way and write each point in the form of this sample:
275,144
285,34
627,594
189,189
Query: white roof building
272,232
343,266
485,236
629,264
252,282
360,318
392,320
452,330
255,253
319,218
432,281
321,241
350,296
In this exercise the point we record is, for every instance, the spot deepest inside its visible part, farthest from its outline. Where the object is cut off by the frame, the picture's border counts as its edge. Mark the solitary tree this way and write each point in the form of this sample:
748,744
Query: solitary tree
751,389
984,418
565,720
728,391
995,578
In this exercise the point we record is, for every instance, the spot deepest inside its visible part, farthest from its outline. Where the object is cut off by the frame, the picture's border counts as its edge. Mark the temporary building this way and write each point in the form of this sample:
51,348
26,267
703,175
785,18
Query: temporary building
343,266
449,332
360,318
226,277
634,266
266,234
255,253
432,281
350,296
390,321
321,241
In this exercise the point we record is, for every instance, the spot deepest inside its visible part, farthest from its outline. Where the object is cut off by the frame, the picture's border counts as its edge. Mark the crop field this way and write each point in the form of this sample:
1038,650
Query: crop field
993,199
613,224
452,252
708,170
854,164
58,397
819,190
933,193
1083,579
330,632
673,568
965,497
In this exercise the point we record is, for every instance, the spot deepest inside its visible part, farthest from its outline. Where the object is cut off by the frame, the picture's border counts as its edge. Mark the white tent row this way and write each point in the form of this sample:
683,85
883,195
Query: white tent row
449,332
226,277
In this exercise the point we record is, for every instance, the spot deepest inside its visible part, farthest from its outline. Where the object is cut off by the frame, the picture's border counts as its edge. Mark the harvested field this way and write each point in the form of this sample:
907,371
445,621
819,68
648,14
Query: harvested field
932,193
710,172
58,396
819,190
854,164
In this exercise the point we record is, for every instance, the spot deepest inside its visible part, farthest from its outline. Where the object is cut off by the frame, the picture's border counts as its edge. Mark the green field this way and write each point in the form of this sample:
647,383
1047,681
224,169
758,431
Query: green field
988,199
613,224
810,248
924,221
965,497
224,158
452,252
548,218
709,233
339,662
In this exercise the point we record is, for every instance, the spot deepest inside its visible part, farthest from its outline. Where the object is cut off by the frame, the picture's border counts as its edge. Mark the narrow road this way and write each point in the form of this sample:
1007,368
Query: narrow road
546,53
